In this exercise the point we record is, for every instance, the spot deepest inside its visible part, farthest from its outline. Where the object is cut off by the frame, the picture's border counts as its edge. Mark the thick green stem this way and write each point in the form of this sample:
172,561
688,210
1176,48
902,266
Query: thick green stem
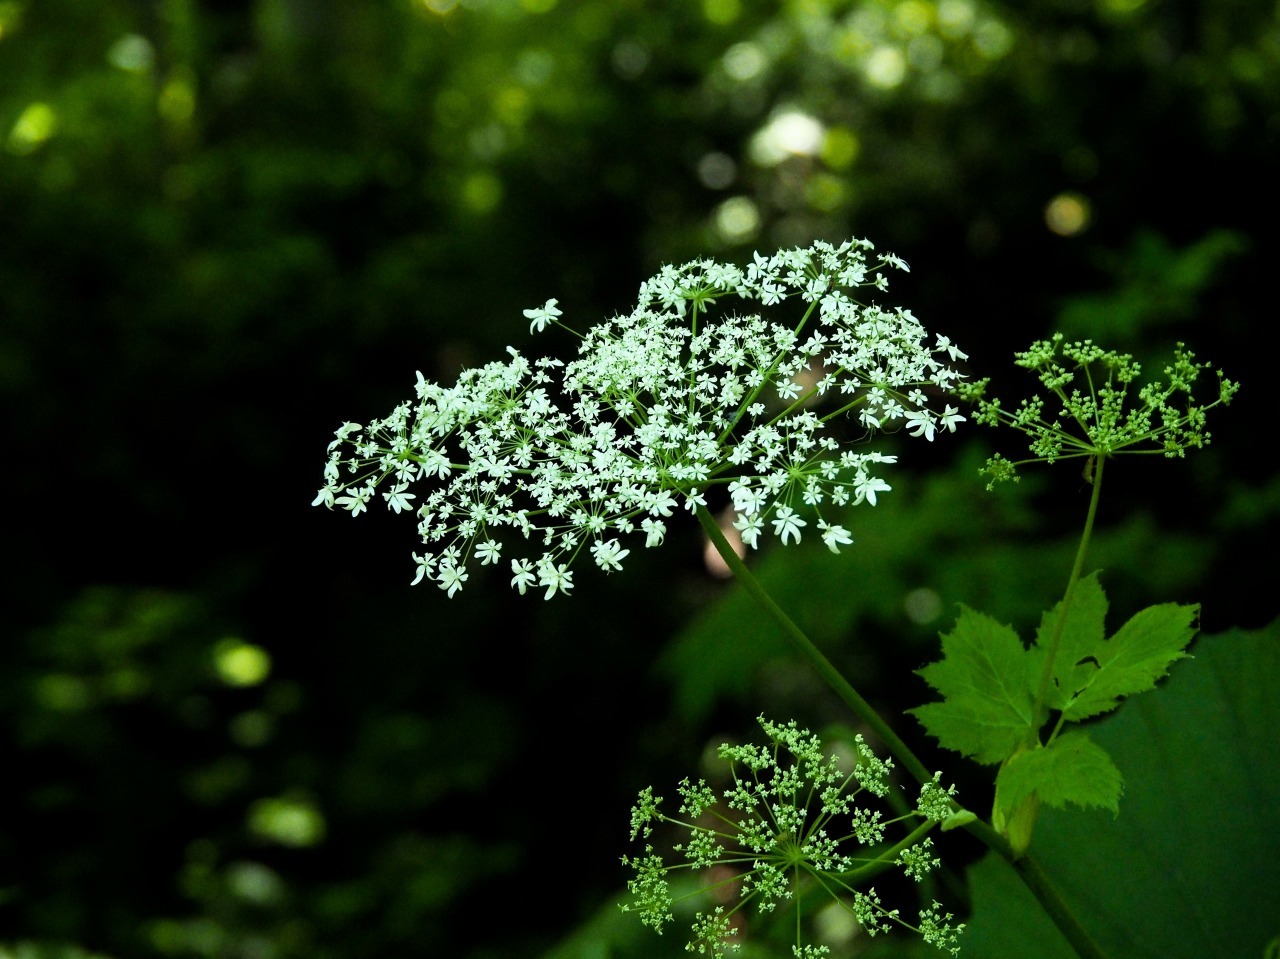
861,708
886,859
1055,641
1051,901
1027,868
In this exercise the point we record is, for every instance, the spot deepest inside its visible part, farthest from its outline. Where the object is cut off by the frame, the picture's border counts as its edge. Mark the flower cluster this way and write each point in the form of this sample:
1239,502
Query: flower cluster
659,406
789,824
1093,420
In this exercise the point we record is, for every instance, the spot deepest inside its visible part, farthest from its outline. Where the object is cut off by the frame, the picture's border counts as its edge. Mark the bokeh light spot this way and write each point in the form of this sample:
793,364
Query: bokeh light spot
177,100
252,729
717,170
913,16
1121,8
481,192
744,61
133,53
840,148
721,12
789,133
534,67
34,126
254,882
630,59
240,663
289,821
737,219
1068,214
886,67
63,693
923,606
826,192
992,39
925,53
955,18
836,924
438,7
512,105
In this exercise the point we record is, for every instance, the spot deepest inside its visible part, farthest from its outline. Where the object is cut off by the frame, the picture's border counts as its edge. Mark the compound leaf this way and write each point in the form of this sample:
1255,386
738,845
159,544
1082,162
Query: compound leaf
1191,866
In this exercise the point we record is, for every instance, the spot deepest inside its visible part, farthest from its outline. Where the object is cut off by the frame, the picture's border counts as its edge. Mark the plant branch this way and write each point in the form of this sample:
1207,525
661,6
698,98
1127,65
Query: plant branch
861,708
1027,868
1035,879
1046,676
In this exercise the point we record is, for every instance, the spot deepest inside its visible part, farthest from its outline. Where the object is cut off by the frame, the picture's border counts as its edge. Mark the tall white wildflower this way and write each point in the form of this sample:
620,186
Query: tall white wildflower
663,404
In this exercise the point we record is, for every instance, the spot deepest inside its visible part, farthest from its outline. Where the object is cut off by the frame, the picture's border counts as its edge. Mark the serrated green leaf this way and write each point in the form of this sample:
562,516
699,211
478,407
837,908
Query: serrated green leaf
986,677
1083,632
1133,659
1071,769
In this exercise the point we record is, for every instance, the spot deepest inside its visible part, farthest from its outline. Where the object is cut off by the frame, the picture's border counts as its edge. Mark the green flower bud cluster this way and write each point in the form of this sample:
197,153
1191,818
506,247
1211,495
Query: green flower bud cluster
1095,416
792,824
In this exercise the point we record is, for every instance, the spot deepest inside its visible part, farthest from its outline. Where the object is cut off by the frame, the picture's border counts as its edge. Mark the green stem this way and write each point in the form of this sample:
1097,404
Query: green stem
751,397
1046,676
1027,868
885,860
861,708
1051,901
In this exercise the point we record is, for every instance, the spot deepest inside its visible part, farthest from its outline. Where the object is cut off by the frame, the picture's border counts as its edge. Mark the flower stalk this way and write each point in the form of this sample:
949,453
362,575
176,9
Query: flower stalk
805,646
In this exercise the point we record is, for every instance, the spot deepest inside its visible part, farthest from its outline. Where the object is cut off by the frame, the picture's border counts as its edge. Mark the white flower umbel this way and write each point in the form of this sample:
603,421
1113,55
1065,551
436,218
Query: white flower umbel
661,405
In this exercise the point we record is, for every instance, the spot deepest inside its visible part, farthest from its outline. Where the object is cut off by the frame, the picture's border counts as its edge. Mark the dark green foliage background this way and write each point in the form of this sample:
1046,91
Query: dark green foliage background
209,261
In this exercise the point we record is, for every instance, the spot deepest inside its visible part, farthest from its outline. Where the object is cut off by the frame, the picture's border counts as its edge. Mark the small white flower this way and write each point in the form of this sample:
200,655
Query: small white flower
425,562
542,316
609,555
788,390
693,499
944,343
661,503
557,579
451,578
356,500
786,524
523,577
865,487
341,434
749,527
488,552
812,495
656,531
950,417
397,499
745,499
920,423
834,536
